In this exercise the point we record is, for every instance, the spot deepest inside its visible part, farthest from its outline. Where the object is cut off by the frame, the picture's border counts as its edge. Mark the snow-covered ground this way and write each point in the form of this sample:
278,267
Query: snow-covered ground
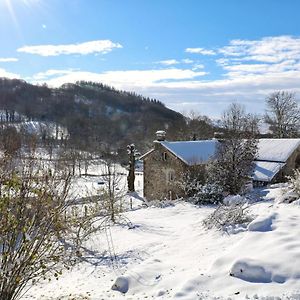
169,254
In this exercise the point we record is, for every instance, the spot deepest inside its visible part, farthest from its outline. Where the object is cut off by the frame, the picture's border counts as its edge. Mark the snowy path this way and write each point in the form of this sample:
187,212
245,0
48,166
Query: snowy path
169,255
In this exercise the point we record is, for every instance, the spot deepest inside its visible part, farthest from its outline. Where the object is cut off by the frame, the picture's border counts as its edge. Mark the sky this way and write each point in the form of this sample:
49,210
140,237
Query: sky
193,55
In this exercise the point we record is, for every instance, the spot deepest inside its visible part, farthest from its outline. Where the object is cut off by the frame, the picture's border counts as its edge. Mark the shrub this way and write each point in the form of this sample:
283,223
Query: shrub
295,182
227,215
207,194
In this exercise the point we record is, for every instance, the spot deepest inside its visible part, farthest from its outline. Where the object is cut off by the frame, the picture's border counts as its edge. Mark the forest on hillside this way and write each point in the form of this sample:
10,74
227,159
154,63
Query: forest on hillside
95,114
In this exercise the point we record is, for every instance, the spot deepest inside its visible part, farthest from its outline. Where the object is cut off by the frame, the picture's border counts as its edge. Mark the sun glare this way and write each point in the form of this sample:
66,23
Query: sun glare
11,11
12,5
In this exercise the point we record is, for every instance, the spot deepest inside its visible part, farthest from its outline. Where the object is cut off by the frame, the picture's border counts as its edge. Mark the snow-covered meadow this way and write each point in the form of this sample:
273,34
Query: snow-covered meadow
169,254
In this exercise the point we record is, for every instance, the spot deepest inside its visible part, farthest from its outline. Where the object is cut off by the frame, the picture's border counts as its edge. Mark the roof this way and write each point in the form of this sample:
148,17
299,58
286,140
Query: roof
271,158
146,154
265,170
277,150
192,152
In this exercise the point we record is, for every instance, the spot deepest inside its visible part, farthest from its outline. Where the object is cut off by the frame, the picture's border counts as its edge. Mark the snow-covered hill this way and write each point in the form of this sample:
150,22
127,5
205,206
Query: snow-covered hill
171,255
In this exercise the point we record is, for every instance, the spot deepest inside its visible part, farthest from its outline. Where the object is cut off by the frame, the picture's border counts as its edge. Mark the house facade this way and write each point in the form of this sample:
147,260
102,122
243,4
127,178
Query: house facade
166,164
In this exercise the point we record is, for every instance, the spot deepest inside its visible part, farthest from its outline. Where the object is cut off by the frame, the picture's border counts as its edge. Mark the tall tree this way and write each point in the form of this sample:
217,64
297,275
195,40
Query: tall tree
283,114
234,157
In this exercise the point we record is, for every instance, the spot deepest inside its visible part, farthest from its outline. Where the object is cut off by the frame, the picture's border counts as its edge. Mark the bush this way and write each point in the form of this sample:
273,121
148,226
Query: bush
207,194
227,215
295,182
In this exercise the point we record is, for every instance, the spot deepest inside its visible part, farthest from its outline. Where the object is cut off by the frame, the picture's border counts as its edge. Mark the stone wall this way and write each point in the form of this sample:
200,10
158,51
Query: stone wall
291,164
163,173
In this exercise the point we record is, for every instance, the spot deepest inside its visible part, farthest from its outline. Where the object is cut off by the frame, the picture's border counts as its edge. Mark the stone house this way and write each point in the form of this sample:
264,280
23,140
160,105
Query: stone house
166,164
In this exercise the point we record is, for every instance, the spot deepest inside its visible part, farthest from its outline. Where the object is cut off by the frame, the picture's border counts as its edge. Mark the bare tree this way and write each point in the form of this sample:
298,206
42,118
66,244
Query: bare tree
234,157
114,191
32,212
283,114
132,154
237,122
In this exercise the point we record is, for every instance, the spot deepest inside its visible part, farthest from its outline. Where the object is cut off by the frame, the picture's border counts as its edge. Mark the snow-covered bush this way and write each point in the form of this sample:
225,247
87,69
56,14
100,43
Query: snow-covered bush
161,203
291,192
207,194
235,200
227,215
295,182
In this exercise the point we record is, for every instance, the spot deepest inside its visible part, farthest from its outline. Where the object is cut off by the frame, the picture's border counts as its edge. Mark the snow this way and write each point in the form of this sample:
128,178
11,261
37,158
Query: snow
265,171
234,200
169,254
262,224
271,158
276,150
192,152
272,154
250,270
121,284
37,127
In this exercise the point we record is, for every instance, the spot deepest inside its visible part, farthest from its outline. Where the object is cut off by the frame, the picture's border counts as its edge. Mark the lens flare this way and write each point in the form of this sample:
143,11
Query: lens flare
11,11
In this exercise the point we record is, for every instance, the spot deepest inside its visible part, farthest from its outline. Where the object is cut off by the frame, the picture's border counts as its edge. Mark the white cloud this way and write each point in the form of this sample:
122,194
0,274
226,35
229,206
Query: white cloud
92,47
8,59
183,89
168,62
130,79
187,61
198,66
202,51
267,56
250,71
268,49
4,73
51,73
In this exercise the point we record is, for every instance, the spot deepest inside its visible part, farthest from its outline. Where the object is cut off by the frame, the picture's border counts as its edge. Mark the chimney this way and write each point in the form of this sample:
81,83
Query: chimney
218,136
160,135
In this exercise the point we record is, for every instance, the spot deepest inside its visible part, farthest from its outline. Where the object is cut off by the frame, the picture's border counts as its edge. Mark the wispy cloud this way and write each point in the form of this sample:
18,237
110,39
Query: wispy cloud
250,70
171,62
129,79
198,66
50,74
268,49
202,51
92,47
168,62
186,89
187,61
8,59
4,73
268,56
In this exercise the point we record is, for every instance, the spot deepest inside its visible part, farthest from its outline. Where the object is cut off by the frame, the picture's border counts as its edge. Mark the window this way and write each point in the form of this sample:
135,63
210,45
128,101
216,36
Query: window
170,176
164,156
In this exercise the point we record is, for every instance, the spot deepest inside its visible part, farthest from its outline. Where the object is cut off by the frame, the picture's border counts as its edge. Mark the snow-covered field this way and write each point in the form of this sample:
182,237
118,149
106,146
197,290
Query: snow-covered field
171,255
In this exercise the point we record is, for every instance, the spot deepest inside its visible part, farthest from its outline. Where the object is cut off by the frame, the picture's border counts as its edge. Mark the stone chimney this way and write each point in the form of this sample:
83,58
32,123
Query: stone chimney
160,135
218,136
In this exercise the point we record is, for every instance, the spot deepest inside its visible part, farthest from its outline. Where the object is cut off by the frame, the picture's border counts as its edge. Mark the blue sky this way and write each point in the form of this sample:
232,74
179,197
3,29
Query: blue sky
191,54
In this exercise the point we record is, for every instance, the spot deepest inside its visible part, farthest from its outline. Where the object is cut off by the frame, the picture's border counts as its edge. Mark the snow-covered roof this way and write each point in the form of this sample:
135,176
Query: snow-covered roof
265,170
192,152
277,150
271,158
